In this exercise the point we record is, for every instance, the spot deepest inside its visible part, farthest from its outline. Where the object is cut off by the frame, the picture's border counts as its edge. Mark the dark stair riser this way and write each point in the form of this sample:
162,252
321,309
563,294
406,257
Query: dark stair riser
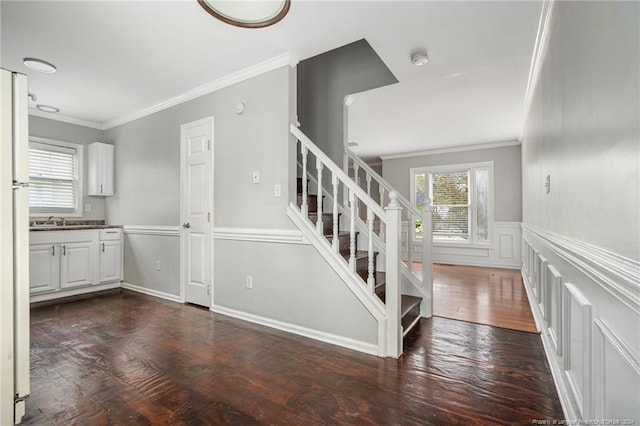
327,221
312,202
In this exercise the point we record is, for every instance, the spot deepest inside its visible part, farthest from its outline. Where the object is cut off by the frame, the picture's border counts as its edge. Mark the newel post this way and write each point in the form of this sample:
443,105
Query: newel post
426,307
393,298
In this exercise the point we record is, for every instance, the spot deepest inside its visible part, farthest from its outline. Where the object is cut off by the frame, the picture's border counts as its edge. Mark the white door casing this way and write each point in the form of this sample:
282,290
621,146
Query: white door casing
196,211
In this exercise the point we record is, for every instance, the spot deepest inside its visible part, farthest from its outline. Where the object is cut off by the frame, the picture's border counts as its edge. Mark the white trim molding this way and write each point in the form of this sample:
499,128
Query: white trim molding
66,119
168,231
539,51
447,150
73,291
263,67
264,235
322,336
152,292
617,274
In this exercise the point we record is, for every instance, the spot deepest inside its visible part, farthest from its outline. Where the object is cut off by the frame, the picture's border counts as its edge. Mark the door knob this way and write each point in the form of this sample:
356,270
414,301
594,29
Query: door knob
186,225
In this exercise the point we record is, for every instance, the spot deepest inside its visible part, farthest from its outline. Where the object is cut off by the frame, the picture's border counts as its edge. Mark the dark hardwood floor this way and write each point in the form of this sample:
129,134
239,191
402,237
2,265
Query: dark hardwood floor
130,359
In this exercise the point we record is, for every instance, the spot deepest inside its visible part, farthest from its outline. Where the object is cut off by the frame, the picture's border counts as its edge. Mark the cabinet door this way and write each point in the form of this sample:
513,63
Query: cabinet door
44,267
110,260
106,169
76,265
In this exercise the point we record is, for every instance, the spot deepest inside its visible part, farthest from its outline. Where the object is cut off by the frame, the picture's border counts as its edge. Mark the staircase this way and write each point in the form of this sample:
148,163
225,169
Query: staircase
409,305
361,239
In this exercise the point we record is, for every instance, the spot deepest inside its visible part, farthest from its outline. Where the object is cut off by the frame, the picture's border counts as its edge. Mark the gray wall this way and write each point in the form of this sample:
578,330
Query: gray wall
292,283
148,157
583,128
506,175
324,81
57,130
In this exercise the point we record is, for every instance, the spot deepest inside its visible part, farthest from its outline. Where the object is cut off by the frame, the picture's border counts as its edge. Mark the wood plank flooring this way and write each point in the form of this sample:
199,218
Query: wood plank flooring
491,296
130,359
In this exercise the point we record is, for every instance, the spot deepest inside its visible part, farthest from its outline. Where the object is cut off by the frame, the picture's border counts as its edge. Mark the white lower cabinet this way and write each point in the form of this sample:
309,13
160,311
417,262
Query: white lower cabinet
110,260
44,267
63,263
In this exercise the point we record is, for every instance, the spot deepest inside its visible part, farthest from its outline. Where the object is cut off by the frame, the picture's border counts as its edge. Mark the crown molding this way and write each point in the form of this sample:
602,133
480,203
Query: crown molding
236,77
460,148
65,119
539,51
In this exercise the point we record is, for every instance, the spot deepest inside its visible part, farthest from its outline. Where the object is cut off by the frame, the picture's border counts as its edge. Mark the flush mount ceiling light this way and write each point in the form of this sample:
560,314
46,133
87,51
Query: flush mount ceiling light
248,13
48,108
419,59
39,65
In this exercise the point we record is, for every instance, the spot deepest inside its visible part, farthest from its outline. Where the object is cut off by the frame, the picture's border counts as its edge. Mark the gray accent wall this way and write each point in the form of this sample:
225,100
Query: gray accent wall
583,128
324,81
506,175
66,132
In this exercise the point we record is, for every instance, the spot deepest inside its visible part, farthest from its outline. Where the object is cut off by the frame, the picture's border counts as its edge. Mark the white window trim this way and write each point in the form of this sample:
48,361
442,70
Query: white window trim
79,176
472,190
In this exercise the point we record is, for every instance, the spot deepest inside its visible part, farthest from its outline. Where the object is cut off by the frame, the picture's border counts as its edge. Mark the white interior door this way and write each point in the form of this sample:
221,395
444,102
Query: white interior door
197,211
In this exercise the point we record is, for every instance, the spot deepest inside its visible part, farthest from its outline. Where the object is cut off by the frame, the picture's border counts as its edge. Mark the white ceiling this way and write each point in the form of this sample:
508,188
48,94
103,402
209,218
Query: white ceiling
117,58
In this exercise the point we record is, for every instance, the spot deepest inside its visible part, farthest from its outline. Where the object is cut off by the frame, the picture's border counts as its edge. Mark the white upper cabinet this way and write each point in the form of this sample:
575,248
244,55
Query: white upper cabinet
100,179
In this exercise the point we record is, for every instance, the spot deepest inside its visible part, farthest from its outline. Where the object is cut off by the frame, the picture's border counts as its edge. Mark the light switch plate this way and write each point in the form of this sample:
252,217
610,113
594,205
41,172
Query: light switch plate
277,190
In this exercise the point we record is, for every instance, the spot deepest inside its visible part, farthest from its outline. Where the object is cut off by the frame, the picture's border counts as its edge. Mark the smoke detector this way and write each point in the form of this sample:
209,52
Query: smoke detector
419,59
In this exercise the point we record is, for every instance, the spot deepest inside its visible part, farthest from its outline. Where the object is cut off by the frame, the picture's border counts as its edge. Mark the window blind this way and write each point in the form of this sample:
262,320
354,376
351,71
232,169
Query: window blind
52,178
450,195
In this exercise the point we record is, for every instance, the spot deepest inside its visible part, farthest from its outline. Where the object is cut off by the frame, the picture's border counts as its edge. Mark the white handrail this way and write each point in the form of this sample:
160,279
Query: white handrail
345,178
381,181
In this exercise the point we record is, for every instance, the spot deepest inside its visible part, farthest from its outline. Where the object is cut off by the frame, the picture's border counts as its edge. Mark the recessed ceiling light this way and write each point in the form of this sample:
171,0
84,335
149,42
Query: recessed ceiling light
419,59
247,14
39,65
47,108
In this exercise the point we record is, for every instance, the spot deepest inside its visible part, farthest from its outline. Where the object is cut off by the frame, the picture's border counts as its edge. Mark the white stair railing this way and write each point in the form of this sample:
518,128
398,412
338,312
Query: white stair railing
328,236
417,250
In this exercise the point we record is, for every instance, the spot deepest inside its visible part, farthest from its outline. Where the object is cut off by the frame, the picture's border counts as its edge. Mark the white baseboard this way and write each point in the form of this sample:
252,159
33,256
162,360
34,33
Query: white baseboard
73,292
322,336
151,292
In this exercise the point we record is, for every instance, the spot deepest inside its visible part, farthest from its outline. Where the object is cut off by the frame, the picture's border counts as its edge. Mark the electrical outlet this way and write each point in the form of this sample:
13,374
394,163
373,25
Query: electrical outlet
249,281
157,265
87,207
255,176
277,190
547,184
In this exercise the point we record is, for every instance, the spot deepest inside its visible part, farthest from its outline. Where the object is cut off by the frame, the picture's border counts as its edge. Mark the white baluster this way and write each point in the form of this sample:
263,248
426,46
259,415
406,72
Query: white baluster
352,232
426,307
336,243
371,277
368,178
305,207
356,178
319,226
381,231
381,196
410,234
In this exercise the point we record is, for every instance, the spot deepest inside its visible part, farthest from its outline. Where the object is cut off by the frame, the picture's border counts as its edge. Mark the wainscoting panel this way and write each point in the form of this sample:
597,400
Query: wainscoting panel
616,376
577,349
504,253
586,303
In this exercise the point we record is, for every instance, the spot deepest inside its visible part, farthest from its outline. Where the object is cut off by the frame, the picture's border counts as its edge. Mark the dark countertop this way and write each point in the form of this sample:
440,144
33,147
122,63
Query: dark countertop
71,227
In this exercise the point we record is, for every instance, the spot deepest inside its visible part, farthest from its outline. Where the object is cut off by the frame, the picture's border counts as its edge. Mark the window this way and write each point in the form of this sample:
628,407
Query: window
55,178
461,199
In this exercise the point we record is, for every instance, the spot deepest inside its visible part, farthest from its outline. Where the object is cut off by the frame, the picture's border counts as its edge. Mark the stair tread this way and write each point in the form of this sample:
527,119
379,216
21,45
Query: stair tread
408,302
360,254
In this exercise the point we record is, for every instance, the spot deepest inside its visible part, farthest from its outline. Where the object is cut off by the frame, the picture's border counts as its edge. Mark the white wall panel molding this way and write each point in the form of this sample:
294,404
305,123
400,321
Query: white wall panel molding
284,59
616,375
287,236
555,320
504,253
578,316
168,231
619,275
301,331
152,292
